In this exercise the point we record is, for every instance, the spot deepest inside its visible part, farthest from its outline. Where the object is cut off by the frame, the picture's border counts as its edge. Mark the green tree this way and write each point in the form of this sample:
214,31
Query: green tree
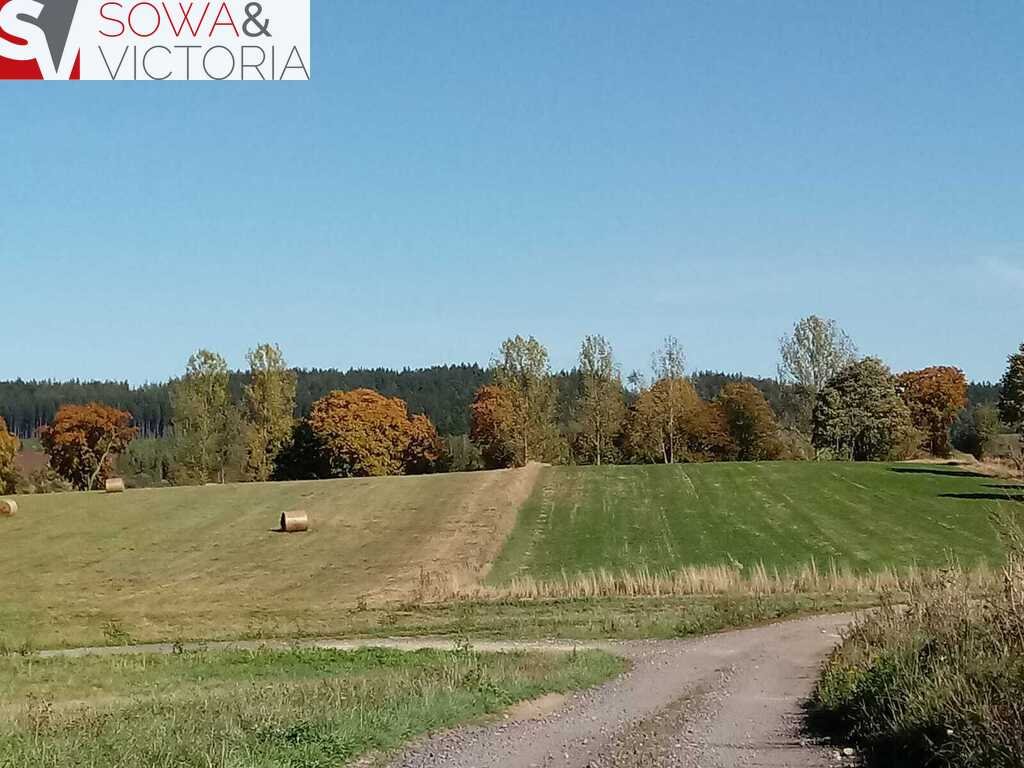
601,405
811,355
1011,400
522,369
269,405
207,424
977,429
861,417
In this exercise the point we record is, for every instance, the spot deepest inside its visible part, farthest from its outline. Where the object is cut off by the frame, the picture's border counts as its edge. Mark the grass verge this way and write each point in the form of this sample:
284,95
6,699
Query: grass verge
938,683
511,619
290,709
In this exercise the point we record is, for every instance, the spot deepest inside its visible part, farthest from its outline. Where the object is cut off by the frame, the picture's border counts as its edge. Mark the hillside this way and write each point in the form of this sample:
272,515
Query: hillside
148,563
863,516
204,562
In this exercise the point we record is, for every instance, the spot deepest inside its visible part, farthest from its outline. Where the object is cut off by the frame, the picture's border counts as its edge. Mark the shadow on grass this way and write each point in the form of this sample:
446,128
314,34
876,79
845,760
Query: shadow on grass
951,472
831,730
1015,497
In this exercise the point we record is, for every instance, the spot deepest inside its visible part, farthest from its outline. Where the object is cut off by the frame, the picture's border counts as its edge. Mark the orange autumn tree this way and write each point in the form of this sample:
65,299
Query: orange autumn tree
364,434
493,427
670,423
935,397
426,449
83,441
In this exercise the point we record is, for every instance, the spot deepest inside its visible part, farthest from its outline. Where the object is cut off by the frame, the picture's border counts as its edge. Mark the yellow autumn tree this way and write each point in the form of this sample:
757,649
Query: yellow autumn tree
9,447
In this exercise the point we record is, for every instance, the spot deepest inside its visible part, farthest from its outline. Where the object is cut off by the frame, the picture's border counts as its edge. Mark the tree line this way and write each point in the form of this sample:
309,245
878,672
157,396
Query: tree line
827,402
442,393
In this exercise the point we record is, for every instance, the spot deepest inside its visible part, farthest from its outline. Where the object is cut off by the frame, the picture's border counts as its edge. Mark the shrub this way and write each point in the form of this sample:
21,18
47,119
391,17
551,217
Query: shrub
936,683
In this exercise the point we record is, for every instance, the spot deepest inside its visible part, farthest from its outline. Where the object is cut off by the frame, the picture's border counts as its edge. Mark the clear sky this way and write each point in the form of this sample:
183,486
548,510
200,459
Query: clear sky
458,172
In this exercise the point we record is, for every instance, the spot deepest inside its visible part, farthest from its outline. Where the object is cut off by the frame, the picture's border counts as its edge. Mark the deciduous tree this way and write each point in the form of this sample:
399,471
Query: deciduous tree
364,434
269,405
750,421
860,416
670,423
669,394
207,424
935,397
83,441
9,447
493,426
811,355
977,430
601,408
522,369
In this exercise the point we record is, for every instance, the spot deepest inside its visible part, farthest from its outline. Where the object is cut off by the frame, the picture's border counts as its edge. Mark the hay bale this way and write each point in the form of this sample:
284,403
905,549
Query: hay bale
8,508
294,522
115,485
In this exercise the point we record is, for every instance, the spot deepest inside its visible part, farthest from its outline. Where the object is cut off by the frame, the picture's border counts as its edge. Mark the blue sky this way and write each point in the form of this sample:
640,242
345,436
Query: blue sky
458,172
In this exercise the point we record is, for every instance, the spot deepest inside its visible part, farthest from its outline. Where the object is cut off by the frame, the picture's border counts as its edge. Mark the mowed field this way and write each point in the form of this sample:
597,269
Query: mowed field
784,515
205,563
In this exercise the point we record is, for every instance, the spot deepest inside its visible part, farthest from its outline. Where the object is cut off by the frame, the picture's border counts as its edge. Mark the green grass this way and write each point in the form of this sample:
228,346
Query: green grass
861,516
294,709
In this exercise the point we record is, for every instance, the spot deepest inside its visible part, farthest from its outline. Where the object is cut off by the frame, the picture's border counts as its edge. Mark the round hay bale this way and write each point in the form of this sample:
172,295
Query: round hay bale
294,522
115,485
8,508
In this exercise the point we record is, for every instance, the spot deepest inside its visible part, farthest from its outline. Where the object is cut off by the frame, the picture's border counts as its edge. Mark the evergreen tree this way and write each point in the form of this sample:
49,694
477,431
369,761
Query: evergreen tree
1011,400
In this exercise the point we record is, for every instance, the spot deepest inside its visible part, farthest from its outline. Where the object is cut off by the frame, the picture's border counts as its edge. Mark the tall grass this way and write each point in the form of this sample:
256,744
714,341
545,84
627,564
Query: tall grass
730,580
939,681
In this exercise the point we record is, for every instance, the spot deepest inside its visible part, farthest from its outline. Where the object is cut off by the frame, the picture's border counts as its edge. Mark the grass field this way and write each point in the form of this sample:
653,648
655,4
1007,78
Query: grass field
861,516
204,562
290,709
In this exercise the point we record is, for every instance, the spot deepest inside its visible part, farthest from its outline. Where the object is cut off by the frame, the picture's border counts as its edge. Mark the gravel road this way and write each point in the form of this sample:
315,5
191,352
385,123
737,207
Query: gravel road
726,701
731,700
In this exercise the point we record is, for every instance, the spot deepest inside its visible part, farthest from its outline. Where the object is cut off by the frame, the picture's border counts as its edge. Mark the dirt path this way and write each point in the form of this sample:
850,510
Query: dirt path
730,700
727,701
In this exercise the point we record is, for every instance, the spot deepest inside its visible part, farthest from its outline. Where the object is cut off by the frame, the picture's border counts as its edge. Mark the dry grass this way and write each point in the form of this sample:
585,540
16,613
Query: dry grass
205,562
937,681
726,580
